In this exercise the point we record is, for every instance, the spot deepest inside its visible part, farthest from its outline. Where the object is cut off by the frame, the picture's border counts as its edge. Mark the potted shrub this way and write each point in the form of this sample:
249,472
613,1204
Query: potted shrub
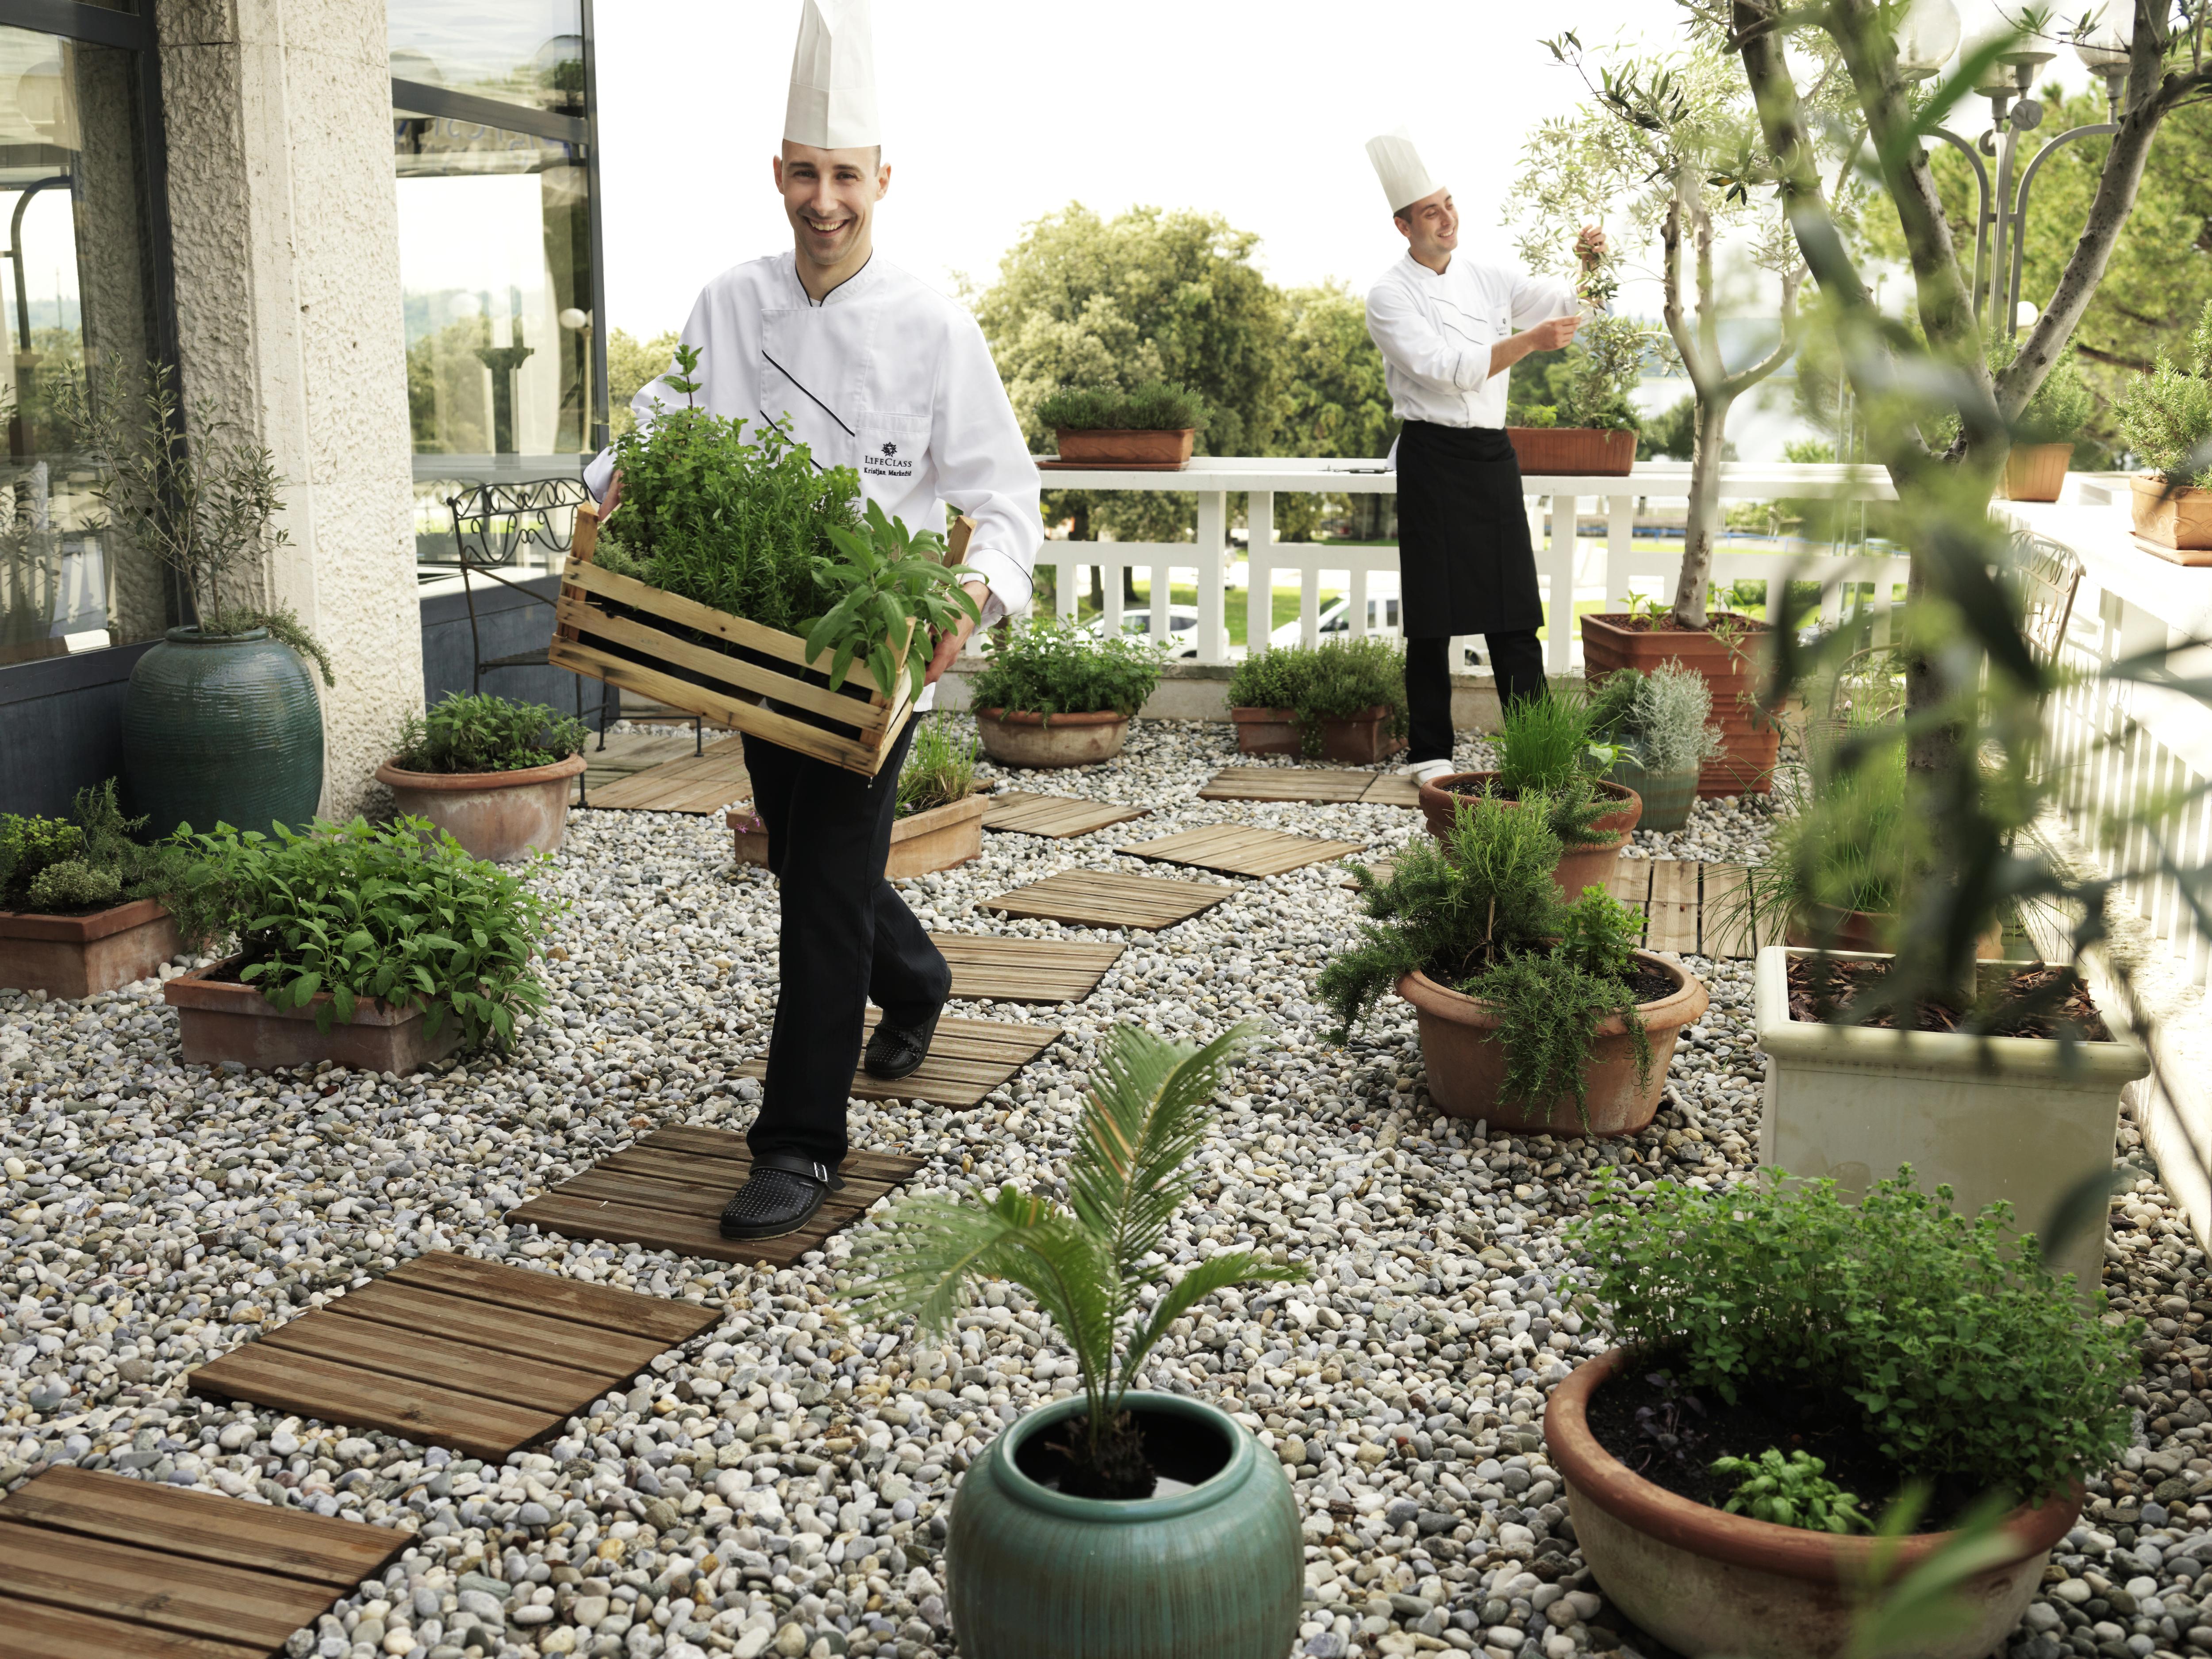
1544,749
1893,1342
1052,694
1591,431
78,910
939,816
220,722
1063,1540
377,947
1536,1015
736,580
494,774
1661,722
1725,653
1149,428
1344,702
2166,417
2042,437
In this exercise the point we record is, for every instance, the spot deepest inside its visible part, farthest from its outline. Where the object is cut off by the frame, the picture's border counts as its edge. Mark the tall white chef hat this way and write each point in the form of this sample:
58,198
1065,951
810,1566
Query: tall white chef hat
833,78
1398,164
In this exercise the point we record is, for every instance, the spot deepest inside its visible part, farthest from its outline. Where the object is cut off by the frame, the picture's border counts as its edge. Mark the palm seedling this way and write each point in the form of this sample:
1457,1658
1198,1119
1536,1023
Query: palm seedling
1085,1264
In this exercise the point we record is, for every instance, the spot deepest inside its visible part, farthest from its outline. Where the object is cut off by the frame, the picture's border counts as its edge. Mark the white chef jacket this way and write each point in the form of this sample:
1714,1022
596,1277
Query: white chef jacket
885,375
1435,333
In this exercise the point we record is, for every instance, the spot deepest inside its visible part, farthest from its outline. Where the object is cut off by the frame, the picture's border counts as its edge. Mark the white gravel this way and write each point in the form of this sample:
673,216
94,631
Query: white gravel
777,1486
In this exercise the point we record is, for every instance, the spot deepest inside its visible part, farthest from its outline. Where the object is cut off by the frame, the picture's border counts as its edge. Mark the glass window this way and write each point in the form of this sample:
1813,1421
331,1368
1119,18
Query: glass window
520,51
76,283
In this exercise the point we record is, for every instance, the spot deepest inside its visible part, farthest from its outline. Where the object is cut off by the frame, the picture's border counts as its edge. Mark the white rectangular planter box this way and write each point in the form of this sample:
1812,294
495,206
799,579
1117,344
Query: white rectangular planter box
1996,1118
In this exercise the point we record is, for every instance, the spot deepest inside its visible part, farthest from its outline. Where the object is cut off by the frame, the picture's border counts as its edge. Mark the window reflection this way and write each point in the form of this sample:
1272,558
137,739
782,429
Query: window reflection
521,51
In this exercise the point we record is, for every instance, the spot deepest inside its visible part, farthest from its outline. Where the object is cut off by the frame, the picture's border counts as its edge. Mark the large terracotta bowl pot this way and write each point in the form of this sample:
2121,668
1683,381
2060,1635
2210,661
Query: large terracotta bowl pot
1464,1059
499,816
1013,738
1707,1582
1578,866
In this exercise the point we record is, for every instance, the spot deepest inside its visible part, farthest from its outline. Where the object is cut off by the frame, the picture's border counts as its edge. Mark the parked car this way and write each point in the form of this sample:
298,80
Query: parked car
1183,628
1336,620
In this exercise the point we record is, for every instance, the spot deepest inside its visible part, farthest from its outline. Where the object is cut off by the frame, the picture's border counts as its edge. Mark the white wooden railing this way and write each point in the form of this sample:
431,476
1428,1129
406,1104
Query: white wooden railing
1568,567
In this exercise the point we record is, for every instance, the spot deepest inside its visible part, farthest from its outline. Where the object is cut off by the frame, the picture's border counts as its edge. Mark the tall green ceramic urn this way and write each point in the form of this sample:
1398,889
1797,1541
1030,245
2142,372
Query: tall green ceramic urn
222,728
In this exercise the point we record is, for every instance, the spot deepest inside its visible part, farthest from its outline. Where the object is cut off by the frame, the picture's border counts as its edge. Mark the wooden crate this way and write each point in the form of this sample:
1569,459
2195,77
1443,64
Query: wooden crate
623,648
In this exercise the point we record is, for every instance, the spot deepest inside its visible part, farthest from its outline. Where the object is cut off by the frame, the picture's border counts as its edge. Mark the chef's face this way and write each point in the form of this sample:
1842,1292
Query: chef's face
1431,226
830,196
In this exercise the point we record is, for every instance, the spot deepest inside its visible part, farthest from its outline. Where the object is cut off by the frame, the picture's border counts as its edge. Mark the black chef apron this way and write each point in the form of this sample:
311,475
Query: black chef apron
1466,564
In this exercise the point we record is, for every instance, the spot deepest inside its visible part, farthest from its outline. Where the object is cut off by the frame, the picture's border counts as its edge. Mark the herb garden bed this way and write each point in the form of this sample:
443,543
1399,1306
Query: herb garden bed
224,1021
82,955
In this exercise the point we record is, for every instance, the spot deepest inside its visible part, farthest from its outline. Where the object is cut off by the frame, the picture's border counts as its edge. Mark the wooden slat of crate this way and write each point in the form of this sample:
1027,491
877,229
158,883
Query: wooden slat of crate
1108,898
968,1059
1325,786
1238,849
1013,812
1673,910
1726,925
988,968
667,1192
693,783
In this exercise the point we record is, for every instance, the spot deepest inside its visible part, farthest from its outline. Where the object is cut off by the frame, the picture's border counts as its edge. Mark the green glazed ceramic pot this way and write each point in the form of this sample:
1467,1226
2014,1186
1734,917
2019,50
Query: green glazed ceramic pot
1213,1572
1667,796
225,729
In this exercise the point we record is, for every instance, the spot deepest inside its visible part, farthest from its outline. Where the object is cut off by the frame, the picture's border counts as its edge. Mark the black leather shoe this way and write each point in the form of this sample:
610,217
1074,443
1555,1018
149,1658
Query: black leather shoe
895,1051
779,1196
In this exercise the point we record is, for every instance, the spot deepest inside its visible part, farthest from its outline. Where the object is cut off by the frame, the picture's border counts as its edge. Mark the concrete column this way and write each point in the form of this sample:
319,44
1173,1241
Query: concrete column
285,226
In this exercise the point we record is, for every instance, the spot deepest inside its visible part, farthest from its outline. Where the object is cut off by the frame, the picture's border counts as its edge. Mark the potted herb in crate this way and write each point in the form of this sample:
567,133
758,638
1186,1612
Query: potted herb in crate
736,580
1054,694
1910,1352
1114,1524
2166,417
79,906
1660,723
494,774
376,947
1537,1015
939,812
1150,429
1344,702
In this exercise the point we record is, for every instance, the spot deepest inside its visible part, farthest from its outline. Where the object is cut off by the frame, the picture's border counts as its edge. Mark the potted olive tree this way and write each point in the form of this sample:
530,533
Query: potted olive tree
1538,1016
1344,702
79,906
1052,694
1661,723
1150,428
1787,1367
2166,417
1117,1523
493,773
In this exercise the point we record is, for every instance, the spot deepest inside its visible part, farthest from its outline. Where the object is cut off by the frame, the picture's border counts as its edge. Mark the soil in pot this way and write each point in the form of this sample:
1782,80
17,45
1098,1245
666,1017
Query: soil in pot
1168,1454
1826,992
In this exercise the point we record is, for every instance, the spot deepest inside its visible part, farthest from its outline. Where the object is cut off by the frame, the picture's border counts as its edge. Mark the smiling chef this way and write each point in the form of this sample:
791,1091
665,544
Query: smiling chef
875,371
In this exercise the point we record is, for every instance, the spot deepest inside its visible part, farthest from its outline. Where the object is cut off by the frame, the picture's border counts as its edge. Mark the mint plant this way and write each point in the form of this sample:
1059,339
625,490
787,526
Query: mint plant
1791,1491
894,594
486,733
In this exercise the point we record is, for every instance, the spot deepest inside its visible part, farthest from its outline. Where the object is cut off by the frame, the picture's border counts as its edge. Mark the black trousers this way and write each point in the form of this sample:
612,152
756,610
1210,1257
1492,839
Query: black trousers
848,938
1516,659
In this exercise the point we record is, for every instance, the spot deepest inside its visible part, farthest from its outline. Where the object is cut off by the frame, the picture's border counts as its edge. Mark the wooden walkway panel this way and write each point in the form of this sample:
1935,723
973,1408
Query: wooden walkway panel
450,1351
1729,929
968,1059
99,1566
987,968
1671,917
666,1191
1689,909
701,783
1108,898
1237,849
1322,785
1013,812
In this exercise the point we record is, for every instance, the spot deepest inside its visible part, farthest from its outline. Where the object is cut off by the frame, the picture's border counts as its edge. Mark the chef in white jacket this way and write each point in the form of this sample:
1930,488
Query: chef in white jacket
876,371
1449,330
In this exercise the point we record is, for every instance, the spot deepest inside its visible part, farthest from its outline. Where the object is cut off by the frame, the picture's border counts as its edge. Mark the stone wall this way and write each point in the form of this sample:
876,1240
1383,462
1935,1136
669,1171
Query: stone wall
284,226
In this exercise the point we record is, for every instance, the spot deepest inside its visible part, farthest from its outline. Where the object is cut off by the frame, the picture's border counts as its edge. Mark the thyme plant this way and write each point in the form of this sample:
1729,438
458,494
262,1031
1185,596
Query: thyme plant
1155,406
1324,682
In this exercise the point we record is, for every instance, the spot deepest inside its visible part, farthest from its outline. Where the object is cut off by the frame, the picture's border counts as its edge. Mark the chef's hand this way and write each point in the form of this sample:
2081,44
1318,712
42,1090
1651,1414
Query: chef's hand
1590,245
1552,335
614,495
950,643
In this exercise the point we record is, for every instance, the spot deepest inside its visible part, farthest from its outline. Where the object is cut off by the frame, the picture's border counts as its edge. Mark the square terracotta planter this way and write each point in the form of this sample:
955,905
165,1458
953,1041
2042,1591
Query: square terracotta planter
1581,451
1750,742
1361,739
1167,451
223,1020
2176,526
82,956
939,839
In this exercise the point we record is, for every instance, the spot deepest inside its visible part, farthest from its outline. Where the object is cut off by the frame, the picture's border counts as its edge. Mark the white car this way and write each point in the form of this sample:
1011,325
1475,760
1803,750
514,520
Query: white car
1183,628
1383,619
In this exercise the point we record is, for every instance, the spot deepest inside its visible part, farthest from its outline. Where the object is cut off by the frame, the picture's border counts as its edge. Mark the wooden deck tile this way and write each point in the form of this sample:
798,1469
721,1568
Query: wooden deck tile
988,968
968,1059
1389,789
1672,918
701,783
1108,898
666,1191
1015,812
1323,785
450,1351
99,1566
1238,849
1728,928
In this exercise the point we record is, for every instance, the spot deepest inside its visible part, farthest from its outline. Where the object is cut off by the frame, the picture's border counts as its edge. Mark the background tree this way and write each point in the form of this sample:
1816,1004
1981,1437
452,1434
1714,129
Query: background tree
631,363
1335,404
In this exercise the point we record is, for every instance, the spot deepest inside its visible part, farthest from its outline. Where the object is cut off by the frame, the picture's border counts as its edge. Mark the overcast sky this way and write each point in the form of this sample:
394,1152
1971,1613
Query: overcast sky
998,111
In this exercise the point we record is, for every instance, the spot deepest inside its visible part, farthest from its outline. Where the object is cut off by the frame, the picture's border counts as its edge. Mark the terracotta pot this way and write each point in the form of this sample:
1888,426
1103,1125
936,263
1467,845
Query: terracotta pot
1106,447
1361,739
2036,473
1750,742
1578,866
1708,1582
1585,452
499,816
82,956
1013,738
1466,1060
2182,521
223,1020
939,839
